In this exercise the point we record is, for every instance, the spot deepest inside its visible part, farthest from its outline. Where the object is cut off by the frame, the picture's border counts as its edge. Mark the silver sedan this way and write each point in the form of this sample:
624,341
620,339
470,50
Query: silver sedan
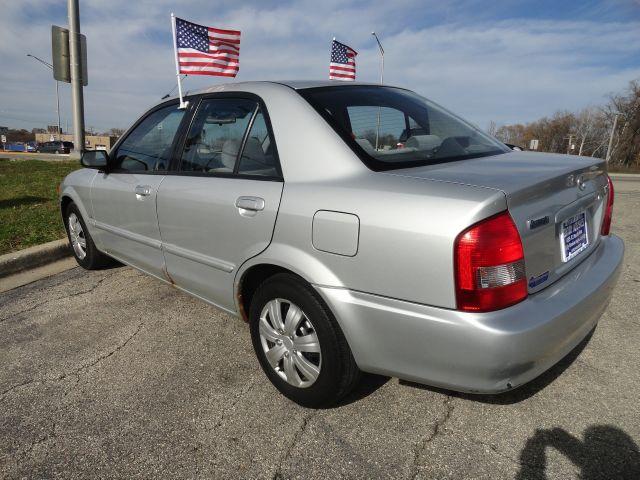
356,228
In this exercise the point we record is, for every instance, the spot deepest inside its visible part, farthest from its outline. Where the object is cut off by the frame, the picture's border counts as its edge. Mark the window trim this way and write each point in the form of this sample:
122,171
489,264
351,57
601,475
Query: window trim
260,106
179,132
370,162
245,136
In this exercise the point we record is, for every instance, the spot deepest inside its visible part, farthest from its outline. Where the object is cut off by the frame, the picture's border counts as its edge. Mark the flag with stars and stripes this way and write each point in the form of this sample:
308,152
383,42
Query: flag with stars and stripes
207,50
342,65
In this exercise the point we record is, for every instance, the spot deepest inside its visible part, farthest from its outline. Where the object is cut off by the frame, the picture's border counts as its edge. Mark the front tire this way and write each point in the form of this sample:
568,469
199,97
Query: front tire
299,344
81,243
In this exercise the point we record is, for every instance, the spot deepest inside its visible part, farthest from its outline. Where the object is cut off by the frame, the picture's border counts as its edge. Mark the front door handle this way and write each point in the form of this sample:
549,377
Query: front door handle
143,190
253,204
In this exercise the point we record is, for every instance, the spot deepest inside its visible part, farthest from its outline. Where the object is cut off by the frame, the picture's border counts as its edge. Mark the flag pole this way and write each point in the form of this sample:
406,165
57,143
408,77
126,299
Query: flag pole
183,104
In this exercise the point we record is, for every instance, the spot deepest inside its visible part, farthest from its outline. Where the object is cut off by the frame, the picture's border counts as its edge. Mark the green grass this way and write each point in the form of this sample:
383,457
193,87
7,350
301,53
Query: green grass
29,211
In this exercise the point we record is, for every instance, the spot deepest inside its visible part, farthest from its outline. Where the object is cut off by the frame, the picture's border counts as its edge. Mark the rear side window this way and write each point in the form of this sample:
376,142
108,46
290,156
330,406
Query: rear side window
258,154
391,128
216,135
149,145
230,136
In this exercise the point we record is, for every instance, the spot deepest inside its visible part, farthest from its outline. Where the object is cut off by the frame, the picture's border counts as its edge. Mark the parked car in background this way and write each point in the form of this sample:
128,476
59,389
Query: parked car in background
452,260
15,147
55,147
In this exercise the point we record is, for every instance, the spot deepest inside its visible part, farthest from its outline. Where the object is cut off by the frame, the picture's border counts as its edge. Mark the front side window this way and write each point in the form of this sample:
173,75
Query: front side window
394,128
148,147
216,135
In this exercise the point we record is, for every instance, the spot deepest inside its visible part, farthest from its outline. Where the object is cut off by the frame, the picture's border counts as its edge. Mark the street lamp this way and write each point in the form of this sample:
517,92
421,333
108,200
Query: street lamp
381,57
48,65
381,82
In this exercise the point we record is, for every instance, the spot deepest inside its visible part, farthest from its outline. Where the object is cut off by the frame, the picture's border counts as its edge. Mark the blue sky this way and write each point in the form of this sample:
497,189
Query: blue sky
504,61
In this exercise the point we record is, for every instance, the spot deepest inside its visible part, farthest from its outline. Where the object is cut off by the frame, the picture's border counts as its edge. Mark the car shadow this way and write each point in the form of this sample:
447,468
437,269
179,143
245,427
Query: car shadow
368,384
606,452
20,201
521,393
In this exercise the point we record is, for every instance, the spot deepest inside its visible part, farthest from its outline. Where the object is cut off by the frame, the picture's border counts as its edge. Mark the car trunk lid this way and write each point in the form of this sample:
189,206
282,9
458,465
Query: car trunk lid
556,201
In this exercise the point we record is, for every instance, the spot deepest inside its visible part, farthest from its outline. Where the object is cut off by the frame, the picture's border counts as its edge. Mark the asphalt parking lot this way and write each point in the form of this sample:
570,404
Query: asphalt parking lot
113,374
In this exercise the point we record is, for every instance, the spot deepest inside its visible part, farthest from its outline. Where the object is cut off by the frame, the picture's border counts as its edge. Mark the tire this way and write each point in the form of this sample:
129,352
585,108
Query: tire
338,373
92,259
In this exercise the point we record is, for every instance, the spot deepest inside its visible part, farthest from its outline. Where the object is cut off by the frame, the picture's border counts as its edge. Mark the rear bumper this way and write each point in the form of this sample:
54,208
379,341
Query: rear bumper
478,352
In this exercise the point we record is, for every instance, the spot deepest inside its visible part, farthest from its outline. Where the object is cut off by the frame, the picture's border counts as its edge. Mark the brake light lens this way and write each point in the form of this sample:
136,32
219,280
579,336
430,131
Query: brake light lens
608,211
489,265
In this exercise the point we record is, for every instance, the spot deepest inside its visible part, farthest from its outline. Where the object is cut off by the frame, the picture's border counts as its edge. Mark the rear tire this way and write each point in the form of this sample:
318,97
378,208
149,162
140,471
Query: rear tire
304,354
81,243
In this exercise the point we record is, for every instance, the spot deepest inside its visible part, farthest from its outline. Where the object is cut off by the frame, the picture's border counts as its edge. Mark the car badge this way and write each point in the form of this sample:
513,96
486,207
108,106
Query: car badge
537,222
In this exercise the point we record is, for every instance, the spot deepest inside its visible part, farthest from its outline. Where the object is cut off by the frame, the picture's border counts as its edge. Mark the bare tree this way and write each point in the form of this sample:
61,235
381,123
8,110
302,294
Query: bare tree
591,127
626,148
590,130
493,128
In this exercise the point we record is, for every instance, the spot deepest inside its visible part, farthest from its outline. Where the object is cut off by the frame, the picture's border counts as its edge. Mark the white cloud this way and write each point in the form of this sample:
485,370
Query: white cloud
483,69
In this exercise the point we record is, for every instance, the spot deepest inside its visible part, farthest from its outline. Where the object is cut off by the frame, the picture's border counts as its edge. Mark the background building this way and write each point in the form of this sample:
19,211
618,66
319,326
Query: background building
92,142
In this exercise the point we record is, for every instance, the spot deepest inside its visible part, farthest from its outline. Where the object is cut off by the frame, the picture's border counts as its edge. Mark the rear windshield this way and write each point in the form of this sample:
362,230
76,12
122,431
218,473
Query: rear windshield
394,128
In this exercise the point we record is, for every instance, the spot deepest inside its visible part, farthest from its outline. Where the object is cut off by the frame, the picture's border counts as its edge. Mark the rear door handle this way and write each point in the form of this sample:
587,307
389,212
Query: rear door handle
143,190
254,204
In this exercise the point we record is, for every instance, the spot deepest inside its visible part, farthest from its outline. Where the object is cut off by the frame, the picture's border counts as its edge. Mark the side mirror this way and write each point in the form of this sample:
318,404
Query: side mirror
94,159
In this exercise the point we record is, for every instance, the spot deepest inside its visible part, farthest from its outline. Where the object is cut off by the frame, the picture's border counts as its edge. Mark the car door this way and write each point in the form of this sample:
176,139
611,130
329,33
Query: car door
124,198
219,209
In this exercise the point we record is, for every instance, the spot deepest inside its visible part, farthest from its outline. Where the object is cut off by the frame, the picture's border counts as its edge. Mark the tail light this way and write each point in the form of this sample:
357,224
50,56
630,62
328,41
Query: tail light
608,211
489,265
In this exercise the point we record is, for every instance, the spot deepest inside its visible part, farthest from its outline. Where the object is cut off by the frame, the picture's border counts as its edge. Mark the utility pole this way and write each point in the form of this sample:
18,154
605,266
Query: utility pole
76,77
613,131
48,65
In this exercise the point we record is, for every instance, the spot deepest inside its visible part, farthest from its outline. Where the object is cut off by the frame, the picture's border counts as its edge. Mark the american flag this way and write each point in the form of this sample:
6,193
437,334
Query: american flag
207,50
343,62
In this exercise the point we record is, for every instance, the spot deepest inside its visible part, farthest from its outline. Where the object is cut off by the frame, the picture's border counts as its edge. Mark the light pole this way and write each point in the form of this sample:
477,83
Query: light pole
381,82
613,131
75,64
48,65
381,57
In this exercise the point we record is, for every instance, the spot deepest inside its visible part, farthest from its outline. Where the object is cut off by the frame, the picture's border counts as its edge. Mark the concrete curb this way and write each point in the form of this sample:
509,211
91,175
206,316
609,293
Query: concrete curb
33,257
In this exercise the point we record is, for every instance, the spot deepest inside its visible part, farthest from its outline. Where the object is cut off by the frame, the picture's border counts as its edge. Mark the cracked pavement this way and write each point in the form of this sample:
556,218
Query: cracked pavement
112,374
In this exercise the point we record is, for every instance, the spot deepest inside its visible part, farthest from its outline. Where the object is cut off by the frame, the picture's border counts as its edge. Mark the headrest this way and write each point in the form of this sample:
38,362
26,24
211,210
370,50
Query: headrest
365,144
253,150
423,142
230,153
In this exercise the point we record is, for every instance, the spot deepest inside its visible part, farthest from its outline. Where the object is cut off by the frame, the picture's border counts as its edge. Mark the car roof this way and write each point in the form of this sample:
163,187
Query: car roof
294,84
